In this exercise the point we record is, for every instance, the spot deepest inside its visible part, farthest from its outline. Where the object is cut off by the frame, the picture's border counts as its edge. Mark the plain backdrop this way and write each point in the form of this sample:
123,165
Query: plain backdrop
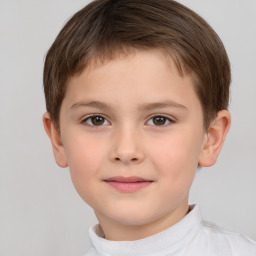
40,211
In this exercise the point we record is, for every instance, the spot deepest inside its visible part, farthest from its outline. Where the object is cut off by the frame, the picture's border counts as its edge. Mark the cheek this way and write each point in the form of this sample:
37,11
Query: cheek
85,158
176,163
177,156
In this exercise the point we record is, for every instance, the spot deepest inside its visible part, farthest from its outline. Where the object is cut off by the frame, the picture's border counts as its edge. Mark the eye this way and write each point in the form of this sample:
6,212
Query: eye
159,120
96,120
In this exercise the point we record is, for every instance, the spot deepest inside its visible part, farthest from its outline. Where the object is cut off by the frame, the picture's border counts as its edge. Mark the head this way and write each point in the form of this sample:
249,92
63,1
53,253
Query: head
136,94
104,29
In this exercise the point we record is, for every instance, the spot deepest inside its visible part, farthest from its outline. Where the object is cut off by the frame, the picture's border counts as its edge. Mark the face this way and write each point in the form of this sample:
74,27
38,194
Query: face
132,132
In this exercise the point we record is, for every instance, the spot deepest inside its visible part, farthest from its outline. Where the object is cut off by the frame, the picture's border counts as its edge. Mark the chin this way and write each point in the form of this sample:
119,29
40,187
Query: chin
133,218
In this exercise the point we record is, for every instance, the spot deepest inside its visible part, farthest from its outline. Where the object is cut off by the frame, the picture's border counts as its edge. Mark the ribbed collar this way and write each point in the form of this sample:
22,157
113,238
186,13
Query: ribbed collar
169,240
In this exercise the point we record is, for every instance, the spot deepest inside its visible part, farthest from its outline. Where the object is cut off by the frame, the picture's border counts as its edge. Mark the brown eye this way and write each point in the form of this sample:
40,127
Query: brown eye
96,121
159,120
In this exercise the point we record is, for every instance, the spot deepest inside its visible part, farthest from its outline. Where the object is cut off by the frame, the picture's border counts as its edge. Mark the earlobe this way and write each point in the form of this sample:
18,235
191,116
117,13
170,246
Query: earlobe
57,146
215,137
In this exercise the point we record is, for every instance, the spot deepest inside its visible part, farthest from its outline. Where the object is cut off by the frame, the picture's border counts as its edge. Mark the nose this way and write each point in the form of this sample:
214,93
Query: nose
127,147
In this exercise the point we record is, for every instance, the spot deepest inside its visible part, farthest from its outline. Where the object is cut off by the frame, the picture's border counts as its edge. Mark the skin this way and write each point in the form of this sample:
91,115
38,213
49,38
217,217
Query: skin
126,93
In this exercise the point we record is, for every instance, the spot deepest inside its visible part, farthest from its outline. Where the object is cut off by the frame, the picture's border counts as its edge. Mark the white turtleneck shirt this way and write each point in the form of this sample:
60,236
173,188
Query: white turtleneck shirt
191,236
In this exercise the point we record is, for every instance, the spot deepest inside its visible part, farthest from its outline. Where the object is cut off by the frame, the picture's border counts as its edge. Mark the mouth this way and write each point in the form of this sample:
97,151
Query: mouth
128,184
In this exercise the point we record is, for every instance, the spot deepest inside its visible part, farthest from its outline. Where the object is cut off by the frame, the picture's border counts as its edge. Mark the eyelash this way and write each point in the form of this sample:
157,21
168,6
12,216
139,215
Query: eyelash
164,118
104,119
89,118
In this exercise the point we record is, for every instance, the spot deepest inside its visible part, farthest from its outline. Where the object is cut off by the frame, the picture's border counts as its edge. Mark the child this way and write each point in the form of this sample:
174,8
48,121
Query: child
137,94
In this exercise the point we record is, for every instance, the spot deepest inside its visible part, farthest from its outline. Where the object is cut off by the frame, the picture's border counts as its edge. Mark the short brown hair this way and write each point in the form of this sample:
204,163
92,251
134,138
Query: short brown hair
106,27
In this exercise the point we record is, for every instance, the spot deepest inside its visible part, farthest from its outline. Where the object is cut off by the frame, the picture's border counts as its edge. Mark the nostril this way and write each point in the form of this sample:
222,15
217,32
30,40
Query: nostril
134,159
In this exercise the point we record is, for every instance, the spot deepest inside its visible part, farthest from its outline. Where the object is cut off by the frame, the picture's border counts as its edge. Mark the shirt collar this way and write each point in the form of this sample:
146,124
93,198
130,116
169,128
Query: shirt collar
171,239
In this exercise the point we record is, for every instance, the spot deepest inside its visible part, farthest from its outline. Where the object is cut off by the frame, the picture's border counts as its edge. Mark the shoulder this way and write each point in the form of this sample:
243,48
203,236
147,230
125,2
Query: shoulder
90,252
233,243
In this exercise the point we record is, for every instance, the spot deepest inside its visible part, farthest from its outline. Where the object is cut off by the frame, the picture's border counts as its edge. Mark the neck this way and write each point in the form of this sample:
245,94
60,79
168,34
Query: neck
117,231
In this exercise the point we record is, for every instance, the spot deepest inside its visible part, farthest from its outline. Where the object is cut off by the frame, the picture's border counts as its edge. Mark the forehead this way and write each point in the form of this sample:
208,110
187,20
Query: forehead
101,56
141,76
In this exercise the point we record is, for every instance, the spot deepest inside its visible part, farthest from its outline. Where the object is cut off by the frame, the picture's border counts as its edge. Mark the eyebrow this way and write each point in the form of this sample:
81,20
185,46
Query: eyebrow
95,104
142,107
161,104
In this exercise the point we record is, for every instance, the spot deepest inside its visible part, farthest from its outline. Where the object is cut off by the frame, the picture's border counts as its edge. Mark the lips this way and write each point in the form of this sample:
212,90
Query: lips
128,184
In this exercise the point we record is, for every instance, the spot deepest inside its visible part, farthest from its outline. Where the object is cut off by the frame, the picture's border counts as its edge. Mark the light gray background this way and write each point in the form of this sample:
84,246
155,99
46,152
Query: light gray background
40,212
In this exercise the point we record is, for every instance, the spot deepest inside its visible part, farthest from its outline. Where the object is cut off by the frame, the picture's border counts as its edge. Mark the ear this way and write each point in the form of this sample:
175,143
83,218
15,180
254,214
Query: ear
57,146
215,137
